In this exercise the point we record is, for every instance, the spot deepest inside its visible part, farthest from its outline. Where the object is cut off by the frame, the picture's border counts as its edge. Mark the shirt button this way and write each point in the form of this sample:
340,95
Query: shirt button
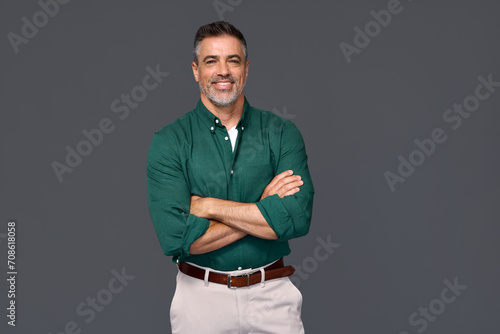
232,172
226,138
212,128
217,121
242,128
239,268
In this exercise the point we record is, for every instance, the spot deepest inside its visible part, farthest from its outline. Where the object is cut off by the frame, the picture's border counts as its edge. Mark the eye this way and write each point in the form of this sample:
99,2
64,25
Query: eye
234,61
210,61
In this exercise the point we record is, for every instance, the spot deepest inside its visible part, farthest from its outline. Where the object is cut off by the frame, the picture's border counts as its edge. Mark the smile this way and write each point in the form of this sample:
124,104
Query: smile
223,84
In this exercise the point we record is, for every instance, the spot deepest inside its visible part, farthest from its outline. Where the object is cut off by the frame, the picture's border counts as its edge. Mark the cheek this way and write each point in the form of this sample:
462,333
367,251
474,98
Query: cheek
201,76
243,76
205,78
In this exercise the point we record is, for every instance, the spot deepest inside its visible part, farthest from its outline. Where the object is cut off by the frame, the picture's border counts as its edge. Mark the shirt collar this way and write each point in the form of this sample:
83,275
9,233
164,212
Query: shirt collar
212,121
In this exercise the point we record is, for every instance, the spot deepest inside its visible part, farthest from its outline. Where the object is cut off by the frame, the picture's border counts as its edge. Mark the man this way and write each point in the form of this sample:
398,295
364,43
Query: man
228,186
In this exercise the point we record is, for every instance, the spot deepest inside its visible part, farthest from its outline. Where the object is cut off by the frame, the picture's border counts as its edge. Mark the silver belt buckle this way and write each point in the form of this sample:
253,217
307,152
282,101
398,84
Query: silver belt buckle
229,277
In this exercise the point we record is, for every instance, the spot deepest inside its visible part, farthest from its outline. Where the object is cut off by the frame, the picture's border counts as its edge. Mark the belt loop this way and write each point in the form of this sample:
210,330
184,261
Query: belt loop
207,272
262,277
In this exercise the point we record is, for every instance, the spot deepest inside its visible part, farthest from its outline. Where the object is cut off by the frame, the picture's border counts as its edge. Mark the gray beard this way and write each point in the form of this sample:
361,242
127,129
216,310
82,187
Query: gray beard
224,101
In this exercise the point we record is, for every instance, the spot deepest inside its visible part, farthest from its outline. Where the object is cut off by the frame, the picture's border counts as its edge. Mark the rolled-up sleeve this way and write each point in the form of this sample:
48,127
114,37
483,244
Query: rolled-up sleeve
290,216
169,198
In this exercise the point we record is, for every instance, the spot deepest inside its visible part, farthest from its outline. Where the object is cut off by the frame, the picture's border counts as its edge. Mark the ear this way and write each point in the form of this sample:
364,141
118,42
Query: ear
246,70
195,71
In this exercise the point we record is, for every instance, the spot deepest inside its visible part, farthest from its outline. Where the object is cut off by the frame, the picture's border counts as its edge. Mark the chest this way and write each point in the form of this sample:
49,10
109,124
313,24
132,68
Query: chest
215,170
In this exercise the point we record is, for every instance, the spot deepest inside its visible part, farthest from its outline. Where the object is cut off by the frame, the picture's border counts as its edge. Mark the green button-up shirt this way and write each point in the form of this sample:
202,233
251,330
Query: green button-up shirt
193,156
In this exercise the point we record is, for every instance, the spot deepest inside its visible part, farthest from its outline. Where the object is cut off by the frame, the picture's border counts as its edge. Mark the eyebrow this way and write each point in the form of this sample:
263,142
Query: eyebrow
234,56
217,57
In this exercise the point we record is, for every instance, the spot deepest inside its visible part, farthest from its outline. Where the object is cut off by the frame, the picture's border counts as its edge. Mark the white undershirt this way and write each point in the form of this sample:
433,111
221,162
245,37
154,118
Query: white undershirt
233,134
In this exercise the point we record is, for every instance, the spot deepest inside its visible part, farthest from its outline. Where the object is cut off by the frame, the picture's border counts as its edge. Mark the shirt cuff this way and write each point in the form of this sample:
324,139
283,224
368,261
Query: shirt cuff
278,213
195,228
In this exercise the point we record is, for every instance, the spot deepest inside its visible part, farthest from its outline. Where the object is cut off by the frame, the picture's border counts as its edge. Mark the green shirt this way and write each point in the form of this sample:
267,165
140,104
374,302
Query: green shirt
193,156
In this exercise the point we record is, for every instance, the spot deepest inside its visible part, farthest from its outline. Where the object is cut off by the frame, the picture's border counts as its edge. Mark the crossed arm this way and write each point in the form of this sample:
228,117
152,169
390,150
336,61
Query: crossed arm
231,221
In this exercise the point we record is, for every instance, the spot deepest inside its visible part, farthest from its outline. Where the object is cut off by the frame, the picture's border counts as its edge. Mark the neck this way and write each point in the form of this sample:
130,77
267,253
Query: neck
230,115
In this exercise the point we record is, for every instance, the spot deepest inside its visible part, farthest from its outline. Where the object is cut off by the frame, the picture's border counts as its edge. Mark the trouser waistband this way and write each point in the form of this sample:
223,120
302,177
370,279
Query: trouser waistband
274,270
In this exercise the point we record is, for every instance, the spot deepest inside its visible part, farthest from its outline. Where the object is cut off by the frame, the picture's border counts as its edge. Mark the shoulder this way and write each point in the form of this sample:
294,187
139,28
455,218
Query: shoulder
272,122
177,127
178,130
173,135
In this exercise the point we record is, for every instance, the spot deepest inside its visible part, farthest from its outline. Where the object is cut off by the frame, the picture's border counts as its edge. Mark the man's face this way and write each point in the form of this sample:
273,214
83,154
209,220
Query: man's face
222,69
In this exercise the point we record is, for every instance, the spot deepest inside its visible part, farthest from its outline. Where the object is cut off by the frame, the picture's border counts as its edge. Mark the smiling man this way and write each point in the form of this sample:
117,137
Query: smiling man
228,186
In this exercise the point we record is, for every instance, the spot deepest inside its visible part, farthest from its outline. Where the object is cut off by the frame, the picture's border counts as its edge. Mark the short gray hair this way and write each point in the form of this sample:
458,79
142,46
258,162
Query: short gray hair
215,29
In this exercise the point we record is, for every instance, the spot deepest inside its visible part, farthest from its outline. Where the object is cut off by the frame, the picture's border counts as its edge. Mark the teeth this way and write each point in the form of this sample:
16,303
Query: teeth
224,83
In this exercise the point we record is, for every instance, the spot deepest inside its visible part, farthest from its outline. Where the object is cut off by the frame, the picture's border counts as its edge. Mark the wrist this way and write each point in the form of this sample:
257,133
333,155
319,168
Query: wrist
207,204
216,209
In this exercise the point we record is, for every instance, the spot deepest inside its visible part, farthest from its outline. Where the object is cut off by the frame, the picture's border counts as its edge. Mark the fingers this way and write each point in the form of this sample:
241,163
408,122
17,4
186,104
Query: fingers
279,178
290,185
290,192
283,184
288,182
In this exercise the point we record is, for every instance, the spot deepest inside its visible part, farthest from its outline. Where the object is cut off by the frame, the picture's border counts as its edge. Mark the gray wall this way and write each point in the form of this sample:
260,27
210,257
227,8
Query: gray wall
380,255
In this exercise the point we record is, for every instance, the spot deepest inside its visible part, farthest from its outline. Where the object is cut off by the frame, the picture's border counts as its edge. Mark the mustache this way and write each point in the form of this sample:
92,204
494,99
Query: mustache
223,77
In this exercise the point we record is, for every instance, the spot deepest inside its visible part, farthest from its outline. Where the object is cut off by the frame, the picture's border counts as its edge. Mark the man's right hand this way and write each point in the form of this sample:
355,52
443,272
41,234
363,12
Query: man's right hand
283,184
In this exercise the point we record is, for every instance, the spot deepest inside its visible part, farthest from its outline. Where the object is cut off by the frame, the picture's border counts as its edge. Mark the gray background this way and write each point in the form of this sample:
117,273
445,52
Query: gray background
396,248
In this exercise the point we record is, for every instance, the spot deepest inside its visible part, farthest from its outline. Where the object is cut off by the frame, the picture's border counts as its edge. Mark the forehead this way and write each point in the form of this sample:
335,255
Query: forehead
221,46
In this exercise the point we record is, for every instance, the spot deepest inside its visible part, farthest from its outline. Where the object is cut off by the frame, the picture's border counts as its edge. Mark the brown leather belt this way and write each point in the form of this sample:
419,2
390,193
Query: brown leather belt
273,271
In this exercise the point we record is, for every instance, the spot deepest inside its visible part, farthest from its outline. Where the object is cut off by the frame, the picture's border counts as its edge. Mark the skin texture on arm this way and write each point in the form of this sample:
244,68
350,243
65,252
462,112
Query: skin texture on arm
217,236
242,216
231,221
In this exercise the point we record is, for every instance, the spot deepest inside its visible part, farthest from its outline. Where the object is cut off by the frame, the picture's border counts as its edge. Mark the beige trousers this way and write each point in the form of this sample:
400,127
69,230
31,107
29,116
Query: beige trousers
201,307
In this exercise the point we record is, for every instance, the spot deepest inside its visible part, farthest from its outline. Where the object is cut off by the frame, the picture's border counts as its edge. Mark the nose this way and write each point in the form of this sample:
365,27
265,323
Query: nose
223,69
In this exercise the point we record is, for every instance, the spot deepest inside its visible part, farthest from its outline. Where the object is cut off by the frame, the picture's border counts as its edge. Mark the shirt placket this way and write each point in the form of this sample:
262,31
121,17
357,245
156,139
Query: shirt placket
223,143
234,187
